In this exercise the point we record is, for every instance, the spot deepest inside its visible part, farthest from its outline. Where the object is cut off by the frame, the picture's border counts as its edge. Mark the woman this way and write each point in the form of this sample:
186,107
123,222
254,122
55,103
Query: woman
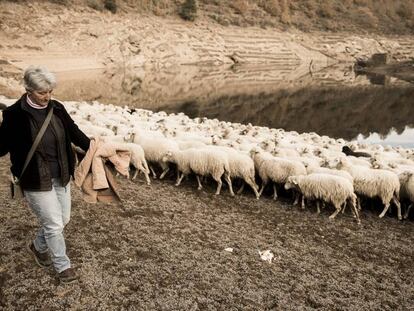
46,179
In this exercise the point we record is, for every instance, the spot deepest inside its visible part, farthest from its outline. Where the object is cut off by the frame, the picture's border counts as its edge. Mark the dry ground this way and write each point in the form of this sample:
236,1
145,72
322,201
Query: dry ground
163,249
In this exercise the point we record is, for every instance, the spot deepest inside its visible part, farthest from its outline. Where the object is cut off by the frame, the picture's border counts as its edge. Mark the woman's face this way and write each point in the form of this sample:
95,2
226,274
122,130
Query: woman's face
41,97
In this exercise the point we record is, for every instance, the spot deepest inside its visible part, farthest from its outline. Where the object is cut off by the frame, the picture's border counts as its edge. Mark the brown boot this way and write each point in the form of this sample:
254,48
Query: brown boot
68,276
42,259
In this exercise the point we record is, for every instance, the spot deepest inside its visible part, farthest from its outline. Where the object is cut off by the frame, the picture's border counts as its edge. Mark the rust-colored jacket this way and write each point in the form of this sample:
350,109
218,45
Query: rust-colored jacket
95,178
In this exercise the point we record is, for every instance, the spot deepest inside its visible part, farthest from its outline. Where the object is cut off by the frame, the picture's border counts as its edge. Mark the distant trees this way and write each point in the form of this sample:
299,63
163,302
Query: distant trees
188,10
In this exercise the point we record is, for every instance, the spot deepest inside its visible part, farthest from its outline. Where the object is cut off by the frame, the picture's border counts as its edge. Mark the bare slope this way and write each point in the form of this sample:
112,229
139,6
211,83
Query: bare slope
362,16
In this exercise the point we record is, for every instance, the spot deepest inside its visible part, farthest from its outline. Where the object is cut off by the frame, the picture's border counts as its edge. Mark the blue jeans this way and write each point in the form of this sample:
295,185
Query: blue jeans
52,209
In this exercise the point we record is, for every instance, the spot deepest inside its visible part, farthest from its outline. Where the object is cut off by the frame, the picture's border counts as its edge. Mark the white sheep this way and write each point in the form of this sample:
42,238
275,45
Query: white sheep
241,166
374,183
155,147
328,188
407,189
202,162
313,169
137,158
275,169
187,144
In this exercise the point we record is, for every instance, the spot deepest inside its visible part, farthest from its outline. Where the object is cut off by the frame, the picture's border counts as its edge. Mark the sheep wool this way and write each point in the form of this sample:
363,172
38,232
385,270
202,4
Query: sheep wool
374,183
329,188
202,162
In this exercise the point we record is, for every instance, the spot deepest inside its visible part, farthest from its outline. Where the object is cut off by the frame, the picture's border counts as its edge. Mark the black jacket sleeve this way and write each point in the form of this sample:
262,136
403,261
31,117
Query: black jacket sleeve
4,135
77,137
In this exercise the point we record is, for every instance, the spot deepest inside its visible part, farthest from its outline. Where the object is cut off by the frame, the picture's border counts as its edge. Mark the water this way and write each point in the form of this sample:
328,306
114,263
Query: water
393,138
334,102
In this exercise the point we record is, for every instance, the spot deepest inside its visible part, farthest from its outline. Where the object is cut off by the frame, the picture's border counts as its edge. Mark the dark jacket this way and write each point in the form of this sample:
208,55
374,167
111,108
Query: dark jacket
17,133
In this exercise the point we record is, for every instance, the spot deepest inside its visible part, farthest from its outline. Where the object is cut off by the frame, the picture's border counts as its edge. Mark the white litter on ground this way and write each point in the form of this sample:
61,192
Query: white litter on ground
266,255
229,249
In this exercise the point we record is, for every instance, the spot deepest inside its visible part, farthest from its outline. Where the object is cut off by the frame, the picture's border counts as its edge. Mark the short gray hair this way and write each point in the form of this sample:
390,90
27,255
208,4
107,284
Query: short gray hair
37,78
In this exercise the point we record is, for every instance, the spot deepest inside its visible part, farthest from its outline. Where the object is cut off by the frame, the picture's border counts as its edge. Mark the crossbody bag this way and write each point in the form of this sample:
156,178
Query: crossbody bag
16,189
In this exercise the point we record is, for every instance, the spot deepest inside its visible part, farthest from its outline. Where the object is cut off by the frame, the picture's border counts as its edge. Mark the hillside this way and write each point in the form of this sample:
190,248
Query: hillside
72,36
360,16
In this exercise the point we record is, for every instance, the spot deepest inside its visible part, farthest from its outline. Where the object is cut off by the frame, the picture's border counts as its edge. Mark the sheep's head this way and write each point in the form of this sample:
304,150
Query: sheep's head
393,165
291,183
340,163
347,150
254,151
324,162
215,139
167,156
227,132
405,176
244,132
232,145
128,137
317,152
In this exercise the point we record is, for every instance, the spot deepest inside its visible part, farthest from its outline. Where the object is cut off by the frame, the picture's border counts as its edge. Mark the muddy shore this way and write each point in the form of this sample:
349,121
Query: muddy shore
163,249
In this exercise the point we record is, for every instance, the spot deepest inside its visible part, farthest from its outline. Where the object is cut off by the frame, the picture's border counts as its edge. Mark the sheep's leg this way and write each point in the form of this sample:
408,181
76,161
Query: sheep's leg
145,171
135,174
164,172
153,172
358,201
241,189
264,183
296,195
274,192
398,205
338,209
178,176
200,186
407,212
387,205
147,178
228,180
179,179
219,184
355,211
344,208
318,210
165,168
303,202
253,185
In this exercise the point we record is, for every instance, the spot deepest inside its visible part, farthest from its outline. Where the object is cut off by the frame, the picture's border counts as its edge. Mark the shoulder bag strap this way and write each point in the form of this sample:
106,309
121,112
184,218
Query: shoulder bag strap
37,140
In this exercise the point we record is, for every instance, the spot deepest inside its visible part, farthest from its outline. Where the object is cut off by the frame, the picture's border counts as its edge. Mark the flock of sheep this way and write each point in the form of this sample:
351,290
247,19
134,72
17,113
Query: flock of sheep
313,166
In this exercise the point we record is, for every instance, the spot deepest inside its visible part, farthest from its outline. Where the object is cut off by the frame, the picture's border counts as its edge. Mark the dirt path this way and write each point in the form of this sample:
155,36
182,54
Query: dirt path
164,250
